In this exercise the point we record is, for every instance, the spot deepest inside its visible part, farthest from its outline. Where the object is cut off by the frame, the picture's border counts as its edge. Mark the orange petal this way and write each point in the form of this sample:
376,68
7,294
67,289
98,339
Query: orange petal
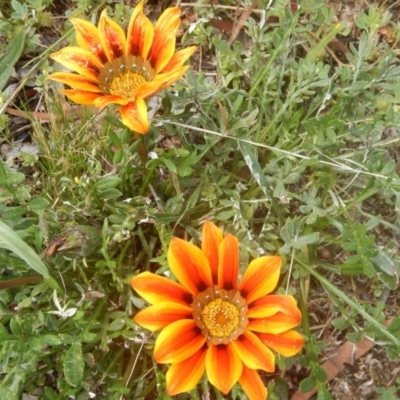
274,314
156,289
185,375
134,116
287,343
149,89
190,266
172,76
140,33
163,46
252,384
88,38
228,266
110,99
76,81
253,352
112,37
178,341
260,278
159,316
81,96
179,58
79,60
223,367
212,238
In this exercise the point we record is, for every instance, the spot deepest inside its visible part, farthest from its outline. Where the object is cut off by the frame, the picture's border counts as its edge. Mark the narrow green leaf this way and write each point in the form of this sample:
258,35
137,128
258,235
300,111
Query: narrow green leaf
74,365
11,241
254,167
13,53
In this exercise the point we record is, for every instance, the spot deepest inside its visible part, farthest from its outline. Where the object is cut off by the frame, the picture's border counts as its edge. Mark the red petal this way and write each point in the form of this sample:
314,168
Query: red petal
212,238
260,278
87,36
178,341
140,33
223,367
253,352
134,116
184,376
189,264
161,315
155,289
252,384
228,267
112,37
288,343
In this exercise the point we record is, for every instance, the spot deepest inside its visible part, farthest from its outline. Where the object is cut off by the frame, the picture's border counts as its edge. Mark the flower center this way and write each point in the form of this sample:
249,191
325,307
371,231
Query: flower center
220,314
220,317
123,75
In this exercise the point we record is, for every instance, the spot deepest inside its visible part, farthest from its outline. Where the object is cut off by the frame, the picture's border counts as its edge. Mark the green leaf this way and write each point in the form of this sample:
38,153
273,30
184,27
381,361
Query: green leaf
9,240
110,194
13,53
107,182
254,167
74,365
307,384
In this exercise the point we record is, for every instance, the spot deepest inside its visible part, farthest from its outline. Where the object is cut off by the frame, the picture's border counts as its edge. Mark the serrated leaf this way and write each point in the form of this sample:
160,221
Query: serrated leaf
9,240
73,365
12,55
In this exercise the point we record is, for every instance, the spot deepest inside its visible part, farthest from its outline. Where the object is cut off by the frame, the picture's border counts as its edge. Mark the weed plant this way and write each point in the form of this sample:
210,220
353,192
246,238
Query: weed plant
290,149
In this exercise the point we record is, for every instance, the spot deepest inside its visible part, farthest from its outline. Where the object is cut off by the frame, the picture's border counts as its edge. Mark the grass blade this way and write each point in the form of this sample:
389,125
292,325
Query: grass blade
11,241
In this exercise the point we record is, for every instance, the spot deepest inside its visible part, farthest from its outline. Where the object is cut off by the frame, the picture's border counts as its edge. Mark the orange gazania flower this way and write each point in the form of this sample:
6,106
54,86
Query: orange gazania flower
210,322
112,68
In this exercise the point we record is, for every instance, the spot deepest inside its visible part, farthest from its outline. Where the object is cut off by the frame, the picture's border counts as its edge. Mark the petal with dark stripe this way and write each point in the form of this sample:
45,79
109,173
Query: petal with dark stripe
228,266
134,116
274,314
140,33
79,60
112,37
260,278
163,46
184,376
253,352
87,36
161,315
287,343
76,81
252,384
212,238
178,341
156,289
190,266
223,367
